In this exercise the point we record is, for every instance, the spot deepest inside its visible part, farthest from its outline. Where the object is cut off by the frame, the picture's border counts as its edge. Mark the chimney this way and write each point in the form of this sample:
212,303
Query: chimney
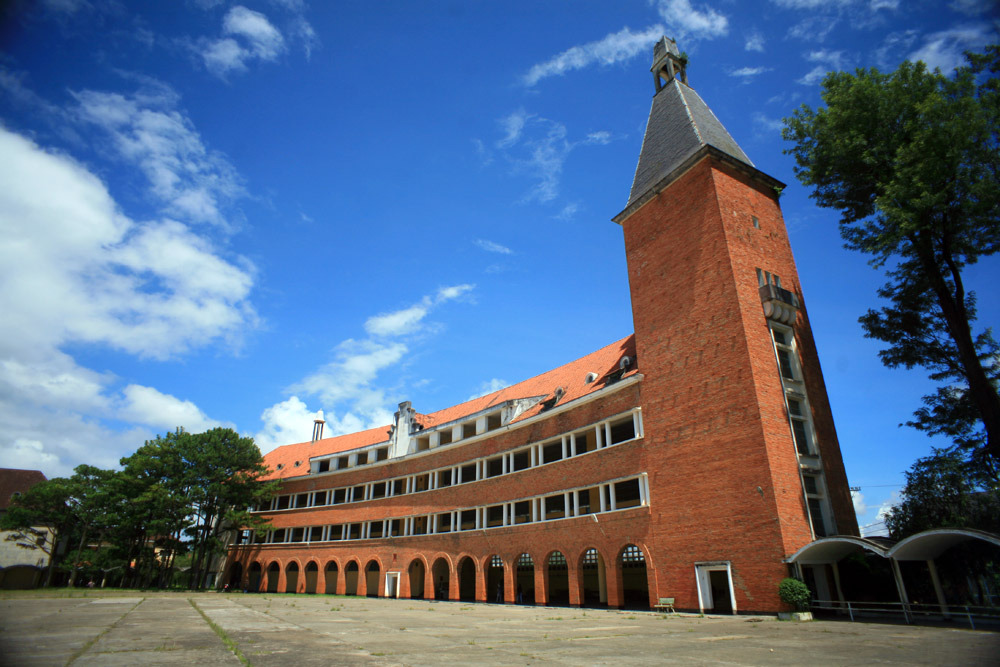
318,427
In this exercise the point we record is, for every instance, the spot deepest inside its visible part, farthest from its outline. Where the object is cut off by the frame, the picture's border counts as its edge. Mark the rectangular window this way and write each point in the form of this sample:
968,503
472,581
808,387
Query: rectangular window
444,478
342,462
468,519
810,483
785,361
552,451
816,514
381,454
354,531
522,459
522,511
339,496
627,494
493,422
378,490
445,436
362,458
469,473
420,482
302,500
358,493
622,430
494,516
585,442
801,437
376,530
494,466
324,465
282,502
588,501
420,525
423,443
320,498
278,535
316,533
336,532
444,522
398,487
555,507
468,429
395,528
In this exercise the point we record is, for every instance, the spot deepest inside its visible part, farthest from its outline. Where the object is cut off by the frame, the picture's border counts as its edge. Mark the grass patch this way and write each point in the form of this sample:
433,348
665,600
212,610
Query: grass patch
230,644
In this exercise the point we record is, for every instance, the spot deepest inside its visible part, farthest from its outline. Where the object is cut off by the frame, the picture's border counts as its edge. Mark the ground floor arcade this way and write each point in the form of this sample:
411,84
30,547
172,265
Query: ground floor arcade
588,578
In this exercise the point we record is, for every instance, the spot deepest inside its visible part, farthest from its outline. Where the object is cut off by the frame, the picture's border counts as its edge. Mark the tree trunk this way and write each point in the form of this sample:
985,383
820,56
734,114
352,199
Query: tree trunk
983,394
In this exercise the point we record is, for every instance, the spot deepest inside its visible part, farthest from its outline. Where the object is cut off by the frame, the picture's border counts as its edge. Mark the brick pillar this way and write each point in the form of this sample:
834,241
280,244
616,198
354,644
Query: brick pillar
541,584
574,577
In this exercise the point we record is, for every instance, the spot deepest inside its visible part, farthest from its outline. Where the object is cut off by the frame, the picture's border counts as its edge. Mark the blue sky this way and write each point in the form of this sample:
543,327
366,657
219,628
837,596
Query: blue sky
238,214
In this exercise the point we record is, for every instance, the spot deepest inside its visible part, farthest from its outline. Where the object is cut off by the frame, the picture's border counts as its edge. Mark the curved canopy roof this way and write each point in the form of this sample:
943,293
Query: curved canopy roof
932,543
923,546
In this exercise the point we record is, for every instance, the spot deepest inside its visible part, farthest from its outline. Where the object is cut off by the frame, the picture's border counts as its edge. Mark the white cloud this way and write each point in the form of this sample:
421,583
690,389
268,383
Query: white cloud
396,323
890,5
888,54
858,499
973,7
829,60
75,270
488,387
31,455
490,246
513,125
689,23
539,147
568,211
754,41
813,29
264,39
767,125
613,48
146,405
286,423
147,130
944,49
247,35
811,4
749,72
67,243
348,387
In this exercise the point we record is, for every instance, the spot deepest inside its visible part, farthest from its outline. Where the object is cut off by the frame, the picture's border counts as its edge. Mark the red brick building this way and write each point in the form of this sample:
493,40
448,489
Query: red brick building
685,461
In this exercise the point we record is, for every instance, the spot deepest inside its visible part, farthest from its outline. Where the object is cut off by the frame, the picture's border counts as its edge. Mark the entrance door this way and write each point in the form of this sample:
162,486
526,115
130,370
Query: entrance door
715,587
392,584
719,582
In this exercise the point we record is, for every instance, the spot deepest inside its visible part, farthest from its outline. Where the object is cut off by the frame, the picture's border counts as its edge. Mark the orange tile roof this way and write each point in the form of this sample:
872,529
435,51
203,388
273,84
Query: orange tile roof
571,377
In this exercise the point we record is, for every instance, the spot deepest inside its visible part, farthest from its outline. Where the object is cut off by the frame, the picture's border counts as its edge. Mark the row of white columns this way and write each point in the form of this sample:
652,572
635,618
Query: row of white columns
436,524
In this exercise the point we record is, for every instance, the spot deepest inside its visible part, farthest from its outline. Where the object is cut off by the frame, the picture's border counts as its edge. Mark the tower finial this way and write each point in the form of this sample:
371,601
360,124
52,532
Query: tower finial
668,63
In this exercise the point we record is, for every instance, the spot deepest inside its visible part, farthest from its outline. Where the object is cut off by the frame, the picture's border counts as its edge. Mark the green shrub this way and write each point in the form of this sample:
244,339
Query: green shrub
794,592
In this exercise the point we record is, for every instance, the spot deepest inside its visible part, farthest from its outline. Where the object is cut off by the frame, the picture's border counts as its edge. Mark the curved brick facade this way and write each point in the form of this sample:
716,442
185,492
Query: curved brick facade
686,461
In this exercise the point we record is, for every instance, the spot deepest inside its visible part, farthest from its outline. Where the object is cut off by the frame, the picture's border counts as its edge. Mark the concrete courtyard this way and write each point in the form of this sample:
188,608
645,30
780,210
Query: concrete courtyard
149,628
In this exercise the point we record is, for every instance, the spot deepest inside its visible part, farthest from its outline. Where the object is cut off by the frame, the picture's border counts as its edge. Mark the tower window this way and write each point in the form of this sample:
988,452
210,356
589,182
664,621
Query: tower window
756,222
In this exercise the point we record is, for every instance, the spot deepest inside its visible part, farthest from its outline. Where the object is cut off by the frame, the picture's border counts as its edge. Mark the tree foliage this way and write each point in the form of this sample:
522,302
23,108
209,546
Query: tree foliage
948,489
911,159
178,493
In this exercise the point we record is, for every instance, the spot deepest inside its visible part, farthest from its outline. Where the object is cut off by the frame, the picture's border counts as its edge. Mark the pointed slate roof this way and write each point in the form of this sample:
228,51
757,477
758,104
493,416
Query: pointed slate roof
680,124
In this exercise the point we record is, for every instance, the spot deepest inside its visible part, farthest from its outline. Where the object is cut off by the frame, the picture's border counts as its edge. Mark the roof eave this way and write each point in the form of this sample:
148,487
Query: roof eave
696,157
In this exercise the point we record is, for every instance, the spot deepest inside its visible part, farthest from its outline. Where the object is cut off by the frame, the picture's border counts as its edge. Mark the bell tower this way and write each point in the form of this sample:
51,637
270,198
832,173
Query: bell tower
743,459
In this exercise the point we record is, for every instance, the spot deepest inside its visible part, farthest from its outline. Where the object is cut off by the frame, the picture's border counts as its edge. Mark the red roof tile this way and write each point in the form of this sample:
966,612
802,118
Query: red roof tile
572,377
13,480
